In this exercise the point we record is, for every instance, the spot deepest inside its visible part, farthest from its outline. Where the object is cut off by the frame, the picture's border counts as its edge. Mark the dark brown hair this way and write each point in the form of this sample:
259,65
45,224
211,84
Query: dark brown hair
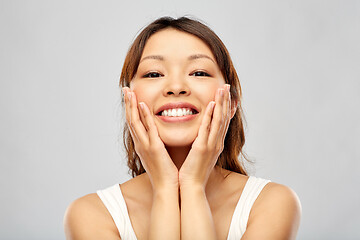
235,137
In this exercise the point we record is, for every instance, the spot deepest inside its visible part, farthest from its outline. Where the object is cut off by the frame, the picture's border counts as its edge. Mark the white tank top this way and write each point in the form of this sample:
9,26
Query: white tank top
115,204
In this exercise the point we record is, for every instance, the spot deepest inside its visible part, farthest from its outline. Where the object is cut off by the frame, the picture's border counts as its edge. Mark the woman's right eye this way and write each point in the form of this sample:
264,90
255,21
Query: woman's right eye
152,75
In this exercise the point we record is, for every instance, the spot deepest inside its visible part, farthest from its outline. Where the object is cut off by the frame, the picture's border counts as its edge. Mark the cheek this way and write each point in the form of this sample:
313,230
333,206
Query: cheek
207,94
144,95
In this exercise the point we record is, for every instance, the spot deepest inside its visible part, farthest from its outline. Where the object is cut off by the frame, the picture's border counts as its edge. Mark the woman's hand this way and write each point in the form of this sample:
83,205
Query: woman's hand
154,157
209,143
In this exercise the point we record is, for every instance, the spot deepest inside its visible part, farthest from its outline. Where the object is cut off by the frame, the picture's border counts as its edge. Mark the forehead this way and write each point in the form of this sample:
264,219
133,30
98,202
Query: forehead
173,43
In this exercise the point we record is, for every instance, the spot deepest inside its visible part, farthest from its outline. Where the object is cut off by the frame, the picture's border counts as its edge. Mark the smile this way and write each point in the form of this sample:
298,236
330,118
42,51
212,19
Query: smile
177,119
177,112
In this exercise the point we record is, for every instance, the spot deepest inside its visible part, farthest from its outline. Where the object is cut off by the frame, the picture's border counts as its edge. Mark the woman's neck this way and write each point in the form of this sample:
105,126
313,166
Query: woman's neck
217,176
178,154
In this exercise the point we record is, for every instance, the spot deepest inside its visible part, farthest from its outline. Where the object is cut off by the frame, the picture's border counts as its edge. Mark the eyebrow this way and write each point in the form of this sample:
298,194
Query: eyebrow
156,57
192,57
197,56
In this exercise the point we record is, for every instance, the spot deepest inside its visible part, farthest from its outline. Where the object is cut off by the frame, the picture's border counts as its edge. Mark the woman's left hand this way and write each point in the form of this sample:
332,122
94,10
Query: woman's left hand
209,142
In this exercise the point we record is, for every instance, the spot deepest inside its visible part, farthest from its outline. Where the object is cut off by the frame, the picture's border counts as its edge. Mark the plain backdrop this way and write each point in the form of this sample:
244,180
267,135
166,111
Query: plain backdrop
60,112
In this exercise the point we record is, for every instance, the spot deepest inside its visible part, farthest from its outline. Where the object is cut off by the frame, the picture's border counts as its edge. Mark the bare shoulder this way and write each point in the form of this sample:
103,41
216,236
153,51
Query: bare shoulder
234,181
276,211
88,218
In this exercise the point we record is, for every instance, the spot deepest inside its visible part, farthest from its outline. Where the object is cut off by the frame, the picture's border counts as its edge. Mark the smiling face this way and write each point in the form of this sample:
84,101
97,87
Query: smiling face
177,70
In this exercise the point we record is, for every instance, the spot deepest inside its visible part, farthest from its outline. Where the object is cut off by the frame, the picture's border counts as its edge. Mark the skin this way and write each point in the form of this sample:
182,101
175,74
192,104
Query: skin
175,78
183,194
178,155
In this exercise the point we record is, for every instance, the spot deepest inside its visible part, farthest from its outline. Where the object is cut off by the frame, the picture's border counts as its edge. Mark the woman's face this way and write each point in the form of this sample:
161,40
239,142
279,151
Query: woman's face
177,68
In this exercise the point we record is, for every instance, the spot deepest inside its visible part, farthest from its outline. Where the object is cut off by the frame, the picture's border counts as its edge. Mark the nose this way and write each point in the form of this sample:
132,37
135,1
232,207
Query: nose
177,87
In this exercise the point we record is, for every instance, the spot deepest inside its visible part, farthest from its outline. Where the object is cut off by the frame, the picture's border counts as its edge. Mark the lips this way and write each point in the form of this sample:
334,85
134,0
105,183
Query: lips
177,105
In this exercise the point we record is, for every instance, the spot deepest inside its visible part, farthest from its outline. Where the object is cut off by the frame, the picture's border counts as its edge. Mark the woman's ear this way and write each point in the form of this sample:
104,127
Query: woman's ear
234,105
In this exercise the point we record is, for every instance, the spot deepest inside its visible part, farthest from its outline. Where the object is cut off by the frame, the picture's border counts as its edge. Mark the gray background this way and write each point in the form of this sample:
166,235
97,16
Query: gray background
298,63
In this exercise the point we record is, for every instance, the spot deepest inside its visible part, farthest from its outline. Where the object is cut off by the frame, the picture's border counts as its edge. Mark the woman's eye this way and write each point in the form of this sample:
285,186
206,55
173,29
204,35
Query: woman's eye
152,75
200,74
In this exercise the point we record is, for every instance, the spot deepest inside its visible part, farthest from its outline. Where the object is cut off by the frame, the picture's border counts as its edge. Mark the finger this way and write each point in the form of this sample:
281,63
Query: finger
142,116
205,126
135,122
150,123
217,119
126,91
226,101
127,106
226,113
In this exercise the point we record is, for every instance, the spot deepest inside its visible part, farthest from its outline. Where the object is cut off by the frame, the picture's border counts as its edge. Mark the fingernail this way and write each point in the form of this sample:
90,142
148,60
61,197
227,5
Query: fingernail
221,92
141,105
129,96
227,87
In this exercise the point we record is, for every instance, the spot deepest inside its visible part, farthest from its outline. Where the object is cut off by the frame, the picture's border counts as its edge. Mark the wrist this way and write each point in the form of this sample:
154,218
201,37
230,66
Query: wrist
192,193
191,186
164,184
166,190
165,196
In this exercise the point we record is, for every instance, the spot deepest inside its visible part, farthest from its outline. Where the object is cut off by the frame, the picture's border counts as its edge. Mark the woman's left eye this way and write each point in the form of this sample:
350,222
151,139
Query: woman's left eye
200,74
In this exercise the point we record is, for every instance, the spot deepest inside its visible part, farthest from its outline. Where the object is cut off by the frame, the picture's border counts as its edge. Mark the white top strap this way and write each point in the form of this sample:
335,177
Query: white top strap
241,214
115,203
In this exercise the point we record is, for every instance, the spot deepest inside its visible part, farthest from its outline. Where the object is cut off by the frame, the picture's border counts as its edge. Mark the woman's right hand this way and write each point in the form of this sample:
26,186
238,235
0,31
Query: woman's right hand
154,157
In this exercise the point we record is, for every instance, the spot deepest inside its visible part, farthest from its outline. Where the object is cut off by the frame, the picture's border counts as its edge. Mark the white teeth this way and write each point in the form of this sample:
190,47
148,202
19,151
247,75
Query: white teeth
176,112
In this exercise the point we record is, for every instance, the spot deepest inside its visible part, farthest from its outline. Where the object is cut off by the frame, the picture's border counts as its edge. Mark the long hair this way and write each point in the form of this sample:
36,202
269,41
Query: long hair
232,157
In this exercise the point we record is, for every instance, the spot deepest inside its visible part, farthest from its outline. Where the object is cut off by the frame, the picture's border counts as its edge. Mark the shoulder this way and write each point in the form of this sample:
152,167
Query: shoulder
131,188
276,211
87,218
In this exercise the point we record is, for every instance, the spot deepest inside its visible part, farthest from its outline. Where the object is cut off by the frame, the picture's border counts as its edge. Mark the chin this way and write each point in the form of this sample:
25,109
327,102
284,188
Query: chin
173,141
